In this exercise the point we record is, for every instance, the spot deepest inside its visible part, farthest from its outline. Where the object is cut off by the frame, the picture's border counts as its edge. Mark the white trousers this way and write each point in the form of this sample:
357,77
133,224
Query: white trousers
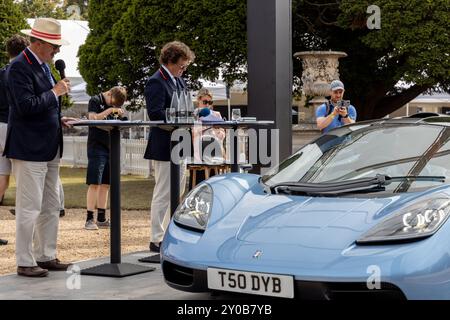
160,207
37,210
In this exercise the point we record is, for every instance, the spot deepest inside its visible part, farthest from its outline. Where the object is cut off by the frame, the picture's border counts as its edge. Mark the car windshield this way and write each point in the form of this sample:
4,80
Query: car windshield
363,151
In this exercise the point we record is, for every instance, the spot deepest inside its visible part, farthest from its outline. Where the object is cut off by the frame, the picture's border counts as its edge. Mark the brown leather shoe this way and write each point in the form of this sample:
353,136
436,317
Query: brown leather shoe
54,265
32,271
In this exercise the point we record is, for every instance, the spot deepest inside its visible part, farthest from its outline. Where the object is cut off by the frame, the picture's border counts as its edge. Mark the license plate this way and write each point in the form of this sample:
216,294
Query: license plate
266,284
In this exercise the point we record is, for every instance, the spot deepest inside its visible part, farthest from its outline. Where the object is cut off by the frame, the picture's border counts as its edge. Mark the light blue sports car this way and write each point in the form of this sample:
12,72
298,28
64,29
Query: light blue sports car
361,211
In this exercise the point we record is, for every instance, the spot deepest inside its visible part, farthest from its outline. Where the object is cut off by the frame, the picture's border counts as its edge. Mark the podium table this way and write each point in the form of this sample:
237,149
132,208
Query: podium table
116,268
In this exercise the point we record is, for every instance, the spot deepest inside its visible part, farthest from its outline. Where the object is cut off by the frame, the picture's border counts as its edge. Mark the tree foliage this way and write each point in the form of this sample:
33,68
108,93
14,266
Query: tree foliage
57,9
76,9
12,21
125,42
101,57
42,8
411,46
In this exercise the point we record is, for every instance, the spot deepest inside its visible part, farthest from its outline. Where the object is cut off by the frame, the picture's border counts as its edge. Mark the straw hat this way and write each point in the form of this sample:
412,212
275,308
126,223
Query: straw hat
46,29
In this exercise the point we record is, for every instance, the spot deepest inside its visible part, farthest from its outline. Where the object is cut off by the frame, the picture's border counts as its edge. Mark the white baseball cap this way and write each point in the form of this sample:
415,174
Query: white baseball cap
336,84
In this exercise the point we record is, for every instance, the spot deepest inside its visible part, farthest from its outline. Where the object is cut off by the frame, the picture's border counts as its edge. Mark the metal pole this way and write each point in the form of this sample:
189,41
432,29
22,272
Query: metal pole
145,128
115,194
235,141
228,101
174,182
269,34
130,130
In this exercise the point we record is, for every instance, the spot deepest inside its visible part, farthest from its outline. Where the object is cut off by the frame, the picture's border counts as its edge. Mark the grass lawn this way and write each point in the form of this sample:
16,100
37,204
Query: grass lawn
136,191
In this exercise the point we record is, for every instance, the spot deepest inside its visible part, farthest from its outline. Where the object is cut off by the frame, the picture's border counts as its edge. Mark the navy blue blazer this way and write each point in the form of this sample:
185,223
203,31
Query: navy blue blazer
34,125
158,96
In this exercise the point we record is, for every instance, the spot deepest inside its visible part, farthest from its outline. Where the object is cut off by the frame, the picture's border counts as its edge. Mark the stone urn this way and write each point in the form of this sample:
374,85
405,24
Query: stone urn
319,69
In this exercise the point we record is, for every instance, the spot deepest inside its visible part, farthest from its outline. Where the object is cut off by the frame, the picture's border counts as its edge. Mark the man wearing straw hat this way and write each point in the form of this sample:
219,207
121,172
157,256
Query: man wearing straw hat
34,144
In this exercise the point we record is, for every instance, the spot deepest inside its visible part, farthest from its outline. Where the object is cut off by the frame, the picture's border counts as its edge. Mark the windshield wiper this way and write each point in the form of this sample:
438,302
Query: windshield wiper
416,178
308,188
371,184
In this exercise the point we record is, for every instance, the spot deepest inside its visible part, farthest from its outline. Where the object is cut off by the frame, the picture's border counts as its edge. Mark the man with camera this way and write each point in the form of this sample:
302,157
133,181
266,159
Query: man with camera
335,112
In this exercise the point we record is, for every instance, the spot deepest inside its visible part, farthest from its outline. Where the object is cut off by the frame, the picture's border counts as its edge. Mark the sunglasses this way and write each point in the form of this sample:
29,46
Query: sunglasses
54,46
207,102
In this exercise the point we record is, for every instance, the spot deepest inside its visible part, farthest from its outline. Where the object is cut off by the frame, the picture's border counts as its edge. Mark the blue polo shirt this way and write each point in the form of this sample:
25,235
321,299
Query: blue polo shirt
337,121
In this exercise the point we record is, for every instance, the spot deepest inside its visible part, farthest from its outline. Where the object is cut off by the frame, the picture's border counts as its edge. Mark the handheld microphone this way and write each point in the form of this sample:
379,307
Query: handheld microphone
60,65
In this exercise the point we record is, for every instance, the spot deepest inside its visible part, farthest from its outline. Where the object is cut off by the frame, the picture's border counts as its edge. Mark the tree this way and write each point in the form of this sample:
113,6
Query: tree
76,9
43,8
412,46
125,42
101,57
12,21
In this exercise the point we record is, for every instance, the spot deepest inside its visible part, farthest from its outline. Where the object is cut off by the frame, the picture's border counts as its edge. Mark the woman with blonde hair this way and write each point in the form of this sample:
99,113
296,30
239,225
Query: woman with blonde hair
206,113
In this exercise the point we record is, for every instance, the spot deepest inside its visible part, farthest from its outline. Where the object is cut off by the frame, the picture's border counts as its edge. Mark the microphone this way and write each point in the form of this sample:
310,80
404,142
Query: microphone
60,65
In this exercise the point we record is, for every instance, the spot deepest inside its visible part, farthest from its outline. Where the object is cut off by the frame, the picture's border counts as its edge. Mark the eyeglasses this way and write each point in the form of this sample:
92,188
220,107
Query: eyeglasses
183,66
207,102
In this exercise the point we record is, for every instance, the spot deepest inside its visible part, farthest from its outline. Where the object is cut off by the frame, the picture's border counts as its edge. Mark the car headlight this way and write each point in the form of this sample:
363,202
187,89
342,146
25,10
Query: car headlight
195,209
419,220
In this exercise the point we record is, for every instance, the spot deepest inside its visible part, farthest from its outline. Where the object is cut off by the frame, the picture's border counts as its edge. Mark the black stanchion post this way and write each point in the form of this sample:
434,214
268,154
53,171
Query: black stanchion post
114,161
174,181
235,141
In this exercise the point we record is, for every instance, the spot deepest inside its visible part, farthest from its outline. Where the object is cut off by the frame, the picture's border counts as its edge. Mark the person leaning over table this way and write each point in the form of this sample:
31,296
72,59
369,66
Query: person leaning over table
106,105
331,114
175,57
34,143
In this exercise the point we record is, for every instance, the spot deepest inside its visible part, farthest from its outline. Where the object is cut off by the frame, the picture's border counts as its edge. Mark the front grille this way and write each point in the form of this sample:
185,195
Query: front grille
177,274
193,280
312,290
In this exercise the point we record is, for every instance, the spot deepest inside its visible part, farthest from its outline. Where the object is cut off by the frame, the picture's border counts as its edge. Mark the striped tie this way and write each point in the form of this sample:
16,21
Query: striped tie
178,84
48,73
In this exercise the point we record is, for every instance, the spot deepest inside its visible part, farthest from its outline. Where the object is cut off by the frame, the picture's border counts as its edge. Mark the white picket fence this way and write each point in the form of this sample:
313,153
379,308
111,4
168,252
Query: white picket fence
132,155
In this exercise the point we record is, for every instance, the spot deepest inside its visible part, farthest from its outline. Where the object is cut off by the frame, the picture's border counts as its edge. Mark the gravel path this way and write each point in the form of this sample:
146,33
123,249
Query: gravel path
74,242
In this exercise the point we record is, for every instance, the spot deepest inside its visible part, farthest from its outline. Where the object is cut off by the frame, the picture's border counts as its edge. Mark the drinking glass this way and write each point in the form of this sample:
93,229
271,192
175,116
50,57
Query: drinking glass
182,107
191,117
236,114
170,115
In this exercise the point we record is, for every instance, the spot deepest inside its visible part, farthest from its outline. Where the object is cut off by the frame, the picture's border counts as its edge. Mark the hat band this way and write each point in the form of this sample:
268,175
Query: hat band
50,36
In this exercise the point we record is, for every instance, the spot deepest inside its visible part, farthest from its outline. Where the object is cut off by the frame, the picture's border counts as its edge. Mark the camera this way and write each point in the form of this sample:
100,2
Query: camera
343,104
116,117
